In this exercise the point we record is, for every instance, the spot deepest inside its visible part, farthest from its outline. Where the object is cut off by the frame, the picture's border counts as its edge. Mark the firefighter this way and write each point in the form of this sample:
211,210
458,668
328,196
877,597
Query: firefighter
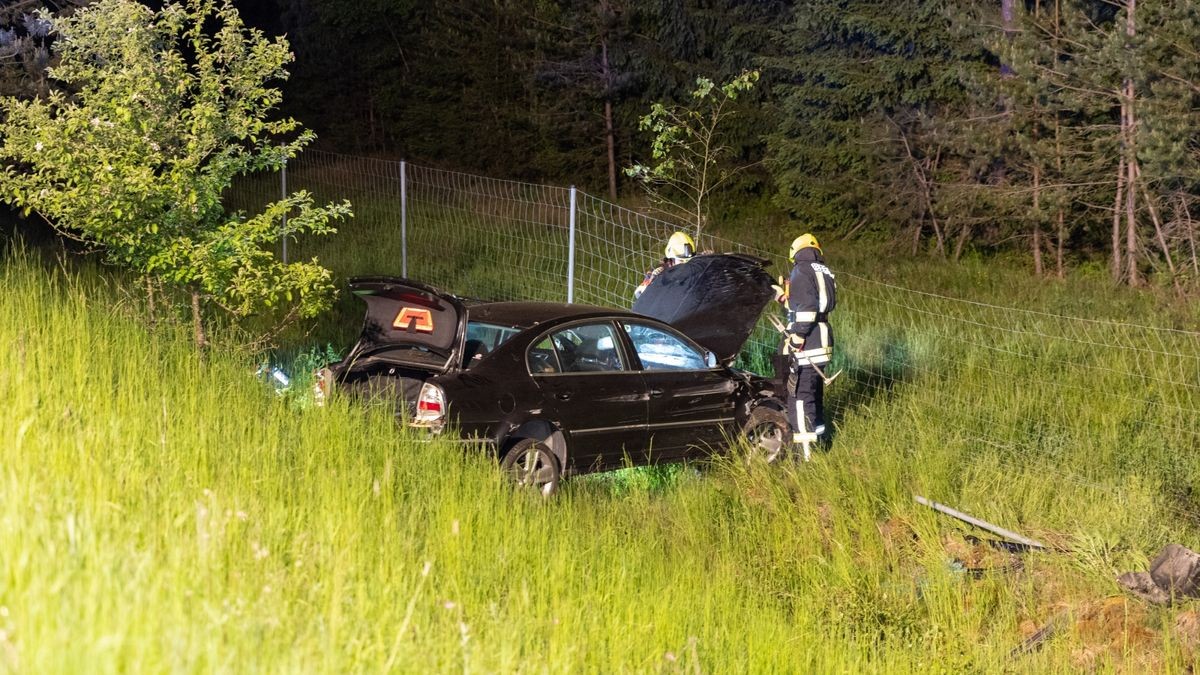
810,295
680,249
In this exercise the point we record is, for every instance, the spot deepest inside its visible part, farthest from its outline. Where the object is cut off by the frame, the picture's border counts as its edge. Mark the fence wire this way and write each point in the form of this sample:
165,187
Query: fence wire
1038,386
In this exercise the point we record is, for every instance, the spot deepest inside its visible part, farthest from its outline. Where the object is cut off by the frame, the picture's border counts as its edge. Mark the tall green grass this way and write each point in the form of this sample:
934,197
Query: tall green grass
164,511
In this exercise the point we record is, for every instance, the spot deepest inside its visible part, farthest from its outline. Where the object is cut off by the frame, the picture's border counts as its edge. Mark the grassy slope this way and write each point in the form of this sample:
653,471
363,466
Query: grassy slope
161,512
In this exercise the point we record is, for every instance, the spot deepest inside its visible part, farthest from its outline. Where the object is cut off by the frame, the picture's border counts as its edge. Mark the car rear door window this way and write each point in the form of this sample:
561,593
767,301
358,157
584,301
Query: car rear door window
587,348
543,359
660,350
483,338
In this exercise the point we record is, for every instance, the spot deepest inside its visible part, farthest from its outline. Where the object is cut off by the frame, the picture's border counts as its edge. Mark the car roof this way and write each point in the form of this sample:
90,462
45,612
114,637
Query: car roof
529,314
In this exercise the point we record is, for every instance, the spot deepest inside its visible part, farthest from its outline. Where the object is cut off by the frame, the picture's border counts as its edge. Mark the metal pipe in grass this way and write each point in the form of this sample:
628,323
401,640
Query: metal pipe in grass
994,529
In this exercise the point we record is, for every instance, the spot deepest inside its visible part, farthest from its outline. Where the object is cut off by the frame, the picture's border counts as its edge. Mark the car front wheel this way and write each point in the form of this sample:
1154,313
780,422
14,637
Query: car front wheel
530,463
766,432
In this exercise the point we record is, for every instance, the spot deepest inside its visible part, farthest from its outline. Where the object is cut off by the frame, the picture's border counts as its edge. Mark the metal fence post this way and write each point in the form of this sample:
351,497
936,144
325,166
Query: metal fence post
571,252
283,195
403,220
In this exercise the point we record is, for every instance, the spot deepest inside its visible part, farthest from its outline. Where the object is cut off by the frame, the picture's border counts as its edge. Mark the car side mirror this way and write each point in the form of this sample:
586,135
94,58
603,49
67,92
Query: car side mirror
710,359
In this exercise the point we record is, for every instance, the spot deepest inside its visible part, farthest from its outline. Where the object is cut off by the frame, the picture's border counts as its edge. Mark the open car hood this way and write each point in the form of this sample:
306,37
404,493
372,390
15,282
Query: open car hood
714,299
403,313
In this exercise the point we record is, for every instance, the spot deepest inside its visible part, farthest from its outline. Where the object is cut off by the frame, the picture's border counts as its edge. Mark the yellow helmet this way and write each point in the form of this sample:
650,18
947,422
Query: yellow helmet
805,240
680,245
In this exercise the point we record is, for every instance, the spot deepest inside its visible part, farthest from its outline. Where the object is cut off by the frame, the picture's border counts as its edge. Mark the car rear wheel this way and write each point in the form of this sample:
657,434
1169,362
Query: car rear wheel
531,464
766,433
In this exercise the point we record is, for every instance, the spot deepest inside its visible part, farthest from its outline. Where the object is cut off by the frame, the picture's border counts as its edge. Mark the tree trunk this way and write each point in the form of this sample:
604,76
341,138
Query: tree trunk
937,230
1158,232
1008,18
609,135
612,150
960,244
1129,126
1184,215
918,229
1060,214
1132,274
1038,270
1006,14
1058,252
1117,267
198,323
150,306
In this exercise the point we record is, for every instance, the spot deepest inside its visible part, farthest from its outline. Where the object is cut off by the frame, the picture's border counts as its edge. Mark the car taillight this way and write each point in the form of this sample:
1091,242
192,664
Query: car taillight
431,406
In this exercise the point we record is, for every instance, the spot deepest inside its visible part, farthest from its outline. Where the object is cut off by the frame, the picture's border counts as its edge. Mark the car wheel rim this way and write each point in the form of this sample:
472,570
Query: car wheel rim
534,469
766,440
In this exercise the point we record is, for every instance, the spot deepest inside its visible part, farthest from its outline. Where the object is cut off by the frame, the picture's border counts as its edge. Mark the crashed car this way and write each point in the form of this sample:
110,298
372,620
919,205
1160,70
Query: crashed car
560,389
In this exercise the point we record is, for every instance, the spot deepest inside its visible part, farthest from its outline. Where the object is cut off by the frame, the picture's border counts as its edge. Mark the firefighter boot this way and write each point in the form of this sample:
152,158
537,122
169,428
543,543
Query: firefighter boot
805,442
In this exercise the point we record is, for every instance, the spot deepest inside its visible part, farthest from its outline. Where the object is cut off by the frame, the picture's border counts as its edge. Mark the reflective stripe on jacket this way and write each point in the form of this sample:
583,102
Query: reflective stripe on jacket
812,297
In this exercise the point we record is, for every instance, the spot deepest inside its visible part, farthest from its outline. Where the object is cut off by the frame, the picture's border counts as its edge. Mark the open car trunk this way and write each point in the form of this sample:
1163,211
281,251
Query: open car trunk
714,299
411,332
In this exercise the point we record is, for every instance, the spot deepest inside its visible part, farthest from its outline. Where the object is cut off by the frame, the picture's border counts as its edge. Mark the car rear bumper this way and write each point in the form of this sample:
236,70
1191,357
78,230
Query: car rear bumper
426,434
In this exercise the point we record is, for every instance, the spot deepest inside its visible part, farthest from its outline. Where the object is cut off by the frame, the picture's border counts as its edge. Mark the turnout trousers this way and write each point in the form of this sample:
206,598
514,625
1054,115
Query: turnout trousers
806,403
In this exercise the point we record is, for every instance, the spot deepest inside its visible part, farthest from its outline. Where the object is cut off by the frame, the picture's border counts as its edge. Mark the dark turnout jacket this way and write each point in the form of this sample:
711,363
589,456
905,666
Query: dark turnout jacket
812,297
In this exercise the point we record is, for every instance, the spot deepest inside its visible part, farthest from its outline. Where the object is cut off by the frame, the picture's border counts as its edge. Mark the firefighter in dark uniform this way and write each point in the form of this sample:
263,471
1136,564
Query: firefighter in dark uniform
680,249
810,296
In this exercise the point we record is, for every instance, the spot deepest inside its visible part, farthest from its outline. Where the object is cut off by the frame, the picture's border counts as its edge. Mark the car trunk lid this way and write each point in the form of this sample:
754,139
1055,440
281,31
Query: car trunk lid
408,323
714,299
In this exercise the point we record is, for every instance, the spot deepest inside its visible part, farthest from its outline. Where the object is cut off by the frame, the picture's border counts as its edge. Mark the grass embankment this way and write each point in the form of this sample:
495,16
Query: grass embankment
159,511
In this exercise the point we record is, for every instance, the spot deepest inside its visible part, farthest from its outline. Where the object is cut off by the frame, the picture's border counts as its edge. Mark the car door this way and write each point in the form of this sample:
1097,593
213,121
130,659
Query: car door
598,398
690,402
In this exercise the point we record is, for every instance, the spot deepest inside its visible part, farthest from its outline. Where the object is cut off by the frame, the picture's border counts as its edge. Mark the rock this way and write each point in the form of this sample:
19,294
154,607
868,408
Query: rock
1177,571
1174,574
1142,585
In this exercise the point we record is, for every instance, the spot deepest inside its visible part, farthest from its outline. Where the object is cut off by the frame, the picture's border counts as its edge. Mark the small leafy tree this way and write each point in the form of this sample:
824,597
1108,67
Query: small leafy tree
168,107
689,159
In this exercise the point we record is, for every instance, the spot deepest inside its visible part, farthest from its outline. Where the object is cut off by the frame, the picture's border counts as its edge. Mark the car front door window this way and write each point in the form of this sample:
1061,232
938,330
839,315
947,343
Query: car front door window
659,350
590,348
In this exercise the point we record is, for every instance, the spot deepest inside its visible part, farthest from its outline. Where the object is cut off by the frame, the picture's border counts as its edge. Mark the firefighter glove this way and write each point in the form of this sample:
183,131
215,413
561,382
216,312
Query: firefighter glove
782,289
795,342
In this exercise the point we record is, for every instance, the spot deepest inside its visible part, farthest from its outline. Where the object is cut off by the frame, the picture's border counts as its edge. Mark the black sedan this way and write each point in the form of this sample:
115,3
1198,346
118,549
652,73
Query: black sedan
560,389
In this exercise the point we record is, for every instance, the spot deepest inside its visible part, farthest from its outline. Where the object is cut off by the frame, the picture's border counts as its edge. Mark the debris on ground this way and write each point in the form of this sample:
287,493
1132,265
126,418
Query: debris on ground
1009,535
1035,640
1174,575
977,557
274,376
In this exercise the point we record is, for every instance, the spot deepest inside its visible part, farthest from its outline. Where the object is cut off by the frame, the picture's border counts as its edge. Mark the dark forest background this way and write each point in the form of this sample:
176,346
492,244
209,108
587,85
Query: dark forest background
1065,130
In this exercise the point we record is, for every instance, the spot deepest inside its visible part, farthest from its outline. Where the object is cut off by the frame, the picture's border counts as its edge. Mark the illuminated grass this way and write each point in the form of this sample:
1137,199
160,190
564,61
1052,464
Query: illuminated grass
163,512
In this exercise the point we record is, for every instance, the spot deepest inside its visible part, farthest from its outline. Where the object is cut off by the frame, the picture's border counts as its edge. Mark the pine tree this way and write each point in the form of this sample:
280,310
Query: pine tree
866,89
1124,78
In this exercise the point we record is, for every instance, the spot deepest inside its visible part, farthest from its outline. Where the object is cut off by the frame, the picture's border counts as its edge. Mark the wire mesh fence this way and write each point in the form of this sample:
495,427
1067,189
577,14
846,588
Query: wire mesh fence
1036,386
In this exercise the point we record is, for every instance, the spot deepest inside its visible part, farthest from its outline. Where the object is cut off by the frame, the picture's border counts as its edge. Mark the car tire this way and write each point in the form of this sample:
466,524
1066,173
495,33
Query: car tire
531,464
766,434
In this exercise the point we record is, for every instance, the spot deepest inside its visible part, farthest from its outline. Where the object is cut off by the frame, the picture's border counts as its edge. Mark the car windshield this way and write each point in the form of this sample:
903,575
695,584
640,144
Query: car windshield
483,338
